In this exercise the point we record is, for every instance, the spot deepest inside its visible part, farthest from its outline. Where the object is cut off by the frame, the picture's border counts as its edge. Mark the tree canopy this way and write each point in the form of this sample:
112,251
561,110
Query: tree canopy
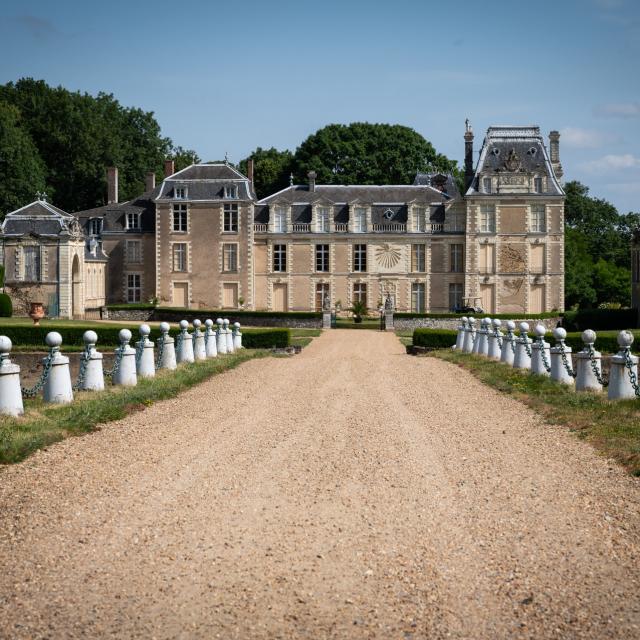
271,170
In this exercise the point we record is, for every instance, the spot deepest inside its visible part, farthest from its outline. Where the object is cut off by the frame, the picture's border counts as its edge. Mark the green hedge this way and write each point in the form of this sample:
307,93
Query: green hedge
215,313
434,338
502,316
6,306
600,319
108,336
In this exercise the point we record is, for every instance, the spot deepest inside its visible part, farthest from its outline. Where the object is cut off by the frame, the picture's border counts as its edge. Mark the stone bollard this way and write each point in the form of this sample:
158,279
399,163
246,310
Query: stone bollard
507,352
483,340
623,376
495,340
476,337
199,350
57,387
469,336
166,348
185,344
145,358
561,367
10,392
462,327
228,335
210,339
522,357
125,374
91,376
237,336
589,365
221,338
540,356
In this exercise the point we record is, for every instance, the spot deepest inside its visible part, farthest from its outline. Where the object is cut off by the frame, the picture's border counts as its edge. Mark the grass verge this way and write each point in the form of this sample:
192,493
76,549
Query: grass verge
43,424
613,428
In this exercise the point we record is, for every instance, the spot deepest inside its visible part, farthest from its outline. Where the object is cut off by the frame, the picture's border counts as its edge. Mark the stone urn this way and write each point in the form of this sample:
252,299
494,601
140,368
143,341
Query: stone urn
36,313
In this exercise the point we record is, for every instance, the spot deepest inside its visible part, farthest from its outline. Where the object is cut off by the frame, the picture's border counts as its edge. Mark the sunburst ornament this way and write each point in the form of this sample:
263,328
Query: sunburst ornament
387,255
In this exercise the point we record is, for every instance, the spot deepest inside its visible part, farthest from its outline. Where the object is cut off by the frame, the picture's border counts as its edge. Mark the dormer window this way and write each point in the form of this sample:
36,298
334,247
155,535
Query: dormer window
280,220
388,214
537,185
180,193
132,221
231,191
322,219
486,185
95,226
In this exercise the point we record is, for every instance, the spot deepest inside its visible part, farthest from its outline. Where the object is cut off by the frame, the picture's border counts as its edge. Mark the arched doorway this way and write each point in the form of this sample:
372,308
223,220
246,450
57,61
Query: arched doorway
76,292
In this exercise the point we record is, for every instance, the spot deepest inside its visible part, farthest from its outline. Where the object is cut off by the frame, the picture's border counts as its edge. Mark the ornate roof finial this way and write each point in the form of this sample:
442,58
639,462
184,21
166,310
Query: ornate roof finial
467,125
291,179
41,196
226,157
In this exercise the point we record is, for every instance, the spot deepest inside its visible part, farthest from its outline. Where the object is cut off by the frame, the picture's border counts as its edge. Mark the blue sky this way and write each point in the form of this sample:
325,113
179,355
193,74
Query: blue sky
230,76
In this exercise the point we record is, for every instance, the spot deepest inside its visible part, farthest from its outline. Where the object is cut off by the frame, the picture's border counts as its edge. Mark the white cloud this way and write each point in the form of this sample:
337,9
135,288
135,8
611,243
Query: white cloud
585,138
619,110
612,163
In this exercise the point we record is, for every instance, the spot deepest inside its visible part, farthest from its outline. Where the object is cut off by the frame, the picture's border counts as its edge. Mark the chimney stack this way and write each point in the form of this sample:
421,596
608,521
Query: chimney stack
112,185
169,168
554,153
312,180
150,181
468,155
250,170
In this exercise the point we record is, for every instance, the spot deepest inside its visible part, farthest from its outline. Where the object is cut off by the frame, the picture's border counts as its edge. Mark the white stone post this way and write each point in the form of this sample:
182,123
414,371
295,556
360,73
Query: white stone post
93,378
228,335
461,331
522,359
469,336
10,391
483,340
210,339
167,344
146,362
540,352
559,353
507,353
126,375
57,387
221,338
185,348
237,336
624,366
199,351
494,339
586,361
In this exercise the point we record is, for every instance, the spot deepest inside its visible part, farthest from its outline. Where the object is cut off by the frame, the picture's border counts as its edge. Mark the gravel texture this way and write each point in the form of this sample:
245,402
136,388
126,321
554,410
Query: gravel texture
348,492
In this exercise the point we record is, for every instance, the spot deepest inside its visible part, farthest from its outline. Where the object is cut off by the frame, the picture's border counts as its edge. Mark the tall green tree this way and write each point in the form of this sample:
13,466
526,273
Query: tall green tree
184,158
22,172
271,170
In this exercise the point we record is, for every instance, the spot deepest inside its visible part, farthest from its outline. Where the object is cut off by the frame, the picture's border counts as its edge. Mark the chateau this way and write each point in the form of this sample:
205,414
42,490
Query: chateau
201,239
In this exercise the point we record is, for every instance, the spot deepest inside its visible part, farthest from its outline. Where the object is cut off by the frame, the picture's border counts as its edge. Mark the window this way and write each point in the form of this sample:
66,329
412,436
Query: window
134,251
417,297
455,295
322,257
279,257
457,262
322,219
322,290
134,289
280,220
95,226
457,220
360,292
231,191
360,220
418,220
486,258
180,193
230,218
132,221
486,185
359,257
487,218
417,257
537,185
538,218
32,263
180,256
180,217
229,257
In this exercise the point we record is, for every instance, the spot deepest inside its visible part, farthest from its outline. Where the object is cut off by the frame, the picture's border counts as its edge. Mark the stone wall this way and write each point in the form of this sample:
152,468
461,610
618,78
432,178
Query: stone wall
408,324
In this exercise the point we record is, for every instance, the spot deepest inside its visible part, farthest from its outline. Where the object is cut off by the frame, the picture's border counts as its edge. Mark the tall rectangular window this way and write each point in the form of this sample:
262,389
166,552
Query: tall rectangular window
229,257
417,297
455,295
322,219
359,257
417,257
31,263
132,221
180,256
280,220
360,293
538,218
456,262
180,217
360,220
418,219
322,290
230,213
134,251
279,257
487,218
134,288
486,185
322,257
95,226
537,185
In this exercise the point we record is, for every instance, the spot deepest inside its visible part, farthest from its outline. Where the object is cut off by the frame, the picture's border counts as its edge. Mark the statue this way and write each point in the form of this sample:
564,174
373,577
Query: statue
326,303
388,303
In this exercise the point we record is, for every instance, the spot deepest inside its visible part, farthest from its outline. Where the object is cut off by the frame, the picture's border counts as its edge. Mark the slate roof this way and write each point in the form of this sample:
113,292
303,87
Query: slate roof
515,150
38,218
438,181
207,182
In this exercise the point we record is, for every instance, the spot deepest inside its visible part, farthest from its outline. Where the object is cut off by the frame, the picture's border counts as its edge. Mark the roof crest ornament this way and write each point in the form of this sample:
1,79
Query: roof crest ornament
291,179
41,196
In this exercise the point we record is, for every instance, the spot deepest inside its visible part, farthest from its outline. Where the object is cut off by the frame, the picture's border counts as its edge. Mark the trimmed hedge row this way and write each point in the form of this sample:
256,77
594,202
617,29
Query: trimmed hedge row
108,336
598,319
215,313
502,316
6,306
434,338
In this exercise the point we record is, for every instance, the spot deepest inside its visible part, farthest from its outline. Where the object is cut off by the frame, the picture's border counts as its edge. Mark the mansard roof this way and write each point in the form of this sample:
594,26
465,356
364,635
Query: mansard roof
513,149
206,181
38,218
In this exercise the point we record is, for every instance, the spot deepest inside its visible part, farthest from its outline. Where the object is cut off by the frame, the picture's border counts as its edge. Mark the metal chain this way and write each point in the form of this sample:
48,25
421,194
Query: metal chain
512,342
594,366
109,373
33,391
632,376
527,346
179,339
84,361
567,366
498,337
140,350
206,338
543,354
160,350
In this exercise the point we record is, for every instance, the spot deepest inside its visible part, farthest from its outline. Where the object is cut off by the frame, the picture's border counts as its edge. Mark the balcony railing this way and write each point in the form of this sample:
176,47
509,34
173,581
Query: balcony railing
342,227
390,227
301,227
260,227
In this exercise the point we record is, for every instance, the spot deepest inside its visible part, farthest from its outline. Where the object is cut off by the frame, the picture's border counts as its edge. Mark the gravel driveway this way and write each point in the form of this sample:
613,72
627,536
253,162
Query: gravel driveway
349,492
